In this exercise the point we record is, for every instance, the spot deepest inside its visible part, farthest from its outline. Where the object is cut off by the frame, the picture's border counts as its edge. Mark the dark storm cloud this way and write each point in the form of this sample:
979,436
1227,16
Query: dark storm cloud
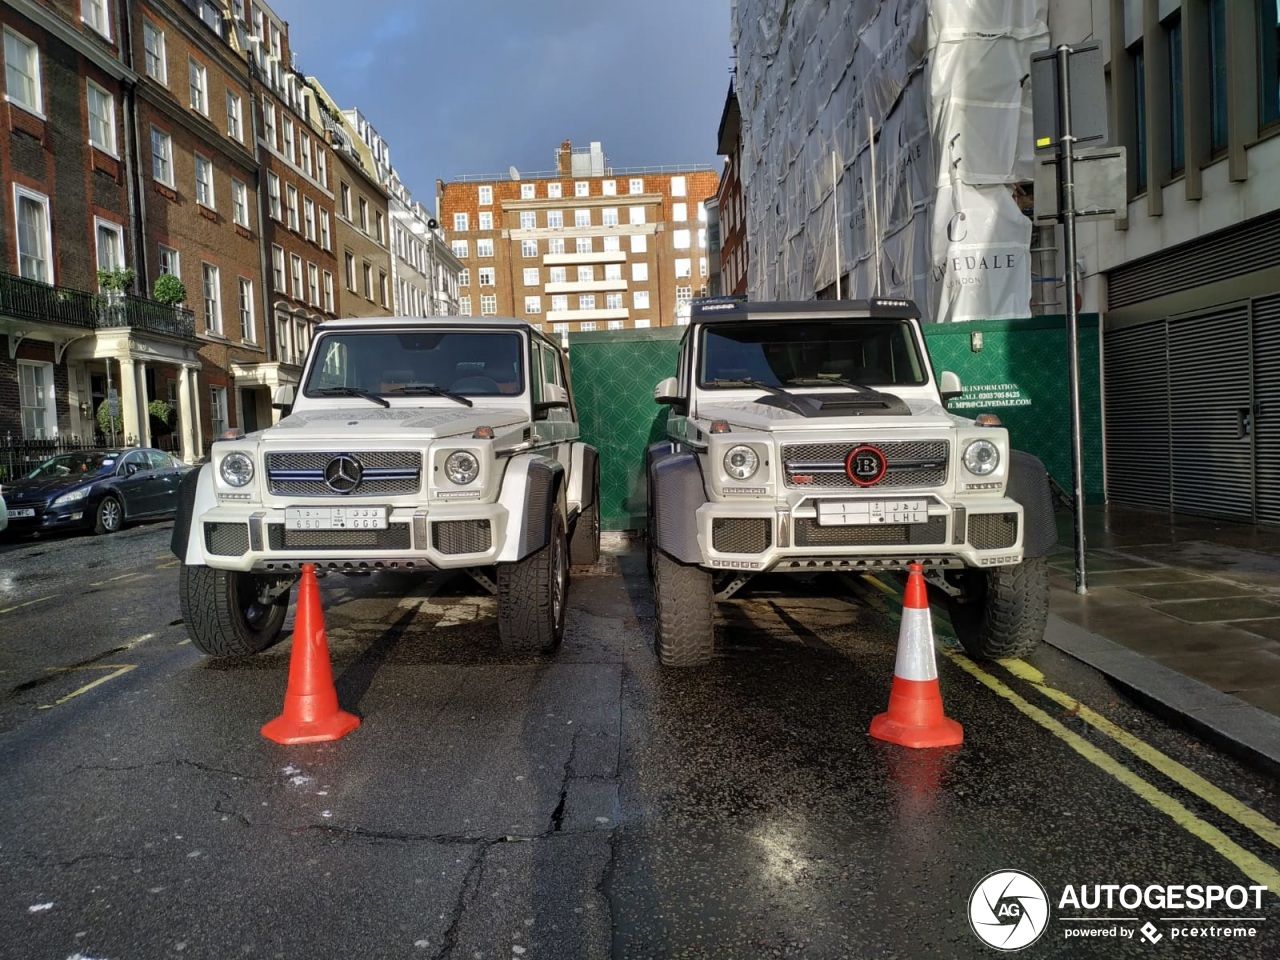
464,87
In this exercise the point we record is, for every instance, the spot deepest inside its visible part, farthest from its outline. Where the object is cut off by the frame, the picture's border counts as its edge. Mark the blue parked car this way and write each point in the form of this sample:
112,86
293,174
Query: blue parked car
98,490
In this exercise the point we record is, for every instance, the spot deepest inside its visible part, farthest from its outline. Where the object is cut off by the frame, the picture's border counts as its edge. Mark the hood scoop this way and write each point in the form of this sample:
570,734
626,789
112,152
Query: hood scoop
864,403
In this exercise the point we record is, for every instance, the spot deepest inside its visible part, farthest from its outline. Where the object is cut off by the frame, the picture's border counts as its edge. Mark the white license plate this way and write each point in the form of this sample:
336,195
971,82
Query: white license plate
335,518
848,513
16,514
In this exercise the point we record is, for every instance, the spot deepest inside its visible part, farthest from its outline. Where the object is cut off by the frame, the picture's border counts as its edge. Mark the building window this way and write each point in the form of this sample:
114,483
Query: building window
239,203
560,328
1269,62
313,285
582,218
532,304
612,244
684,266
484,248
277,269
487,276
582,244
295,270
642,324
328,292
35,250
110,242
460,248
290,149
198,81
380,231
273,196
530,276
680,240
586,301
640,300
246,311
291,193
1218,74
613,301
345,194
613,271
559,303
460,222
168,261
204,182
635,215
1177,130
489,305
309,217
368,280
322,166
677,186
36,398
558,275
326,236
94,13
555,219
586,274
528,220
639,243
616,324
702,266
640,272
555,245
235,117
587,326
486,220
464,278
679,212
304,146
609,188
464,306
528,248
102,118
684,294
635,185
218,410
162,157
153,44
269,124
382,288
581,188
609,216
212,298
350,262
1139,115
526,191
486,196
554,191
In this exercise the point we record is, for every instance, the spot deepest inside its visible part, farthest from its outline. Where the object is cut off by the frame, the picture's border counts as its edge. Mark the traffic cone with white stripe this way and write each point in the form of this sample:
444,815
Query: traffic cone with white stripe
915,717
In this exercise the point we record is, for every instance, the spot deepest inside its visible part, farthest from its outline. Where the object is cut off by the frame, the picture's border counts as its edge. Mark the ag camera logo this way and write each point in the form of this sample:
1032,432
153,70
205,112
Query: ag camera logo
1008,910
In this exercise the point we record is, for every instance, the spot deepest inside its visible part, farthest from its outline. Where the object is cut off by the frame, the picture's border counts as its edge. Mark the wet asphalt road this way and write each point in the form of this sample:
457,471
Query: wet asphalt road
587,805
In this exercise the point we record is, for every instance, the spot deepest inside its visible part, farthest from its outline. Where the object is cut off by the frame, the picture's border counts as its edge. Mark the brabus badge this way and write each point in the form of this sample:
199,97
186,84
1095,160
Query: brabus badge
866,465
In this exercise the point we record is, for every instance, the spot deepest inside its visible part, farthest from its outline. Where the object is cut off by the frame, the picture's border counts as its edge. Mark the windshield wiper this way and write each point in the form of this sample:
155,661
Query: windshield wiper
823,381
409,389
786,395
351,392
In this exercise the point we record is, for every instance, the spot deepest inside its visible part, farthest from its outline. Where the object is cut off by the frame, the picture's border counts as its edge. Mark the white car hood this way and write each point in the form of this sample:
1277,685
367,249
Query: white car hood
749,415
374,423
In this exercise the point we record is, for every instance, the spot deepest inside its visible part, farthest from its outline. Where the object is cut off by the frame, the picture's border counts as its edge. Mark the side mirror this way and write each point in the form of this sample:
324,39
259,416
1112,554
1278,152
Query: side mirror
949,386
283,399
130,469
667,392
553,396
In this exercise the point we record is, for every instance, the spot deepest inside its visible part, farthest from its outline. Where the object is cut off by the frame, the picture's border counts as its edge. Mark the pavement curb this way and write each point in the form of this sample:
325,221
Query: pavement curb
1248,732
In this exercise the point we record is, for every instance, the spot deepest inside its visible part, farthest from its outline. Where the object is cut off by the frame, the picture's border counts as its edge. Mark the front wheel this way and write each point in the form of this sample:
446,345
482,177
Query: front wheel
225,614
109,517
1003,611
532,596
684,612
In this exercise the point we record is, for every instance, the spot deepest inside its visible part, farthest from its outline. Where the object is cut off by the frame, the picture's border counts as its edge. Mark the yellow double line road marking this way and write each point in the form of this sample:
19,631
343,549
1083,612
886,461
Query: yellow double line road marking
120,670
19,606
1248,863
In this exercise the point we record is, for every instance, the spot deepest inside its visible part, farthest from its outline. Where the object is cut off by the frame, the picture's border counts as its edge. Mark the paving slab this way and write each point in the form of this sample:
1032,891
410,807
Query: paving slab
1193,590
1219,611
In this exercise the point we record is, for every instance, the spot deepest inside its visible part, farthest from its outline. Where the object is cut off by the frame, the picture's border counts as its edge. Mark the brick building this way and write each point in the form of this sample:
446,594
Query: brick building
582,247
730,203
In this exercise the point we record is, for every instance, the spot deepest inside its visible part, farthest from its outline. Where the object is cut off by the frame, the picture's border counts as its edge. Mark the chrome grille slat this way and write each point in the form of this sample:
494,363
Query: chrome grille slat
910,463
394,537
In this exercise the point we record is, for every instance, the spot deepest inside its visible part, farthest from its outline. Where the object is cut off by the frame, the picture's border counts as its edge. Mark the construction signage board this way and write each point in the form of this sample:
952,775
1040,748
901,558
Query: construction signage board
1088,97
1101,188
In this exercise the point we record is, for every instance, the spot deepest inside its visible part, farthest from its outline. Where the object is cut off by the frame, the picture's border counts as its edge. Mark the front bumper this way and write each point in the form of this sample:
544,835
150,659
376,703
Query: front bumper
72,516
449,536
758,537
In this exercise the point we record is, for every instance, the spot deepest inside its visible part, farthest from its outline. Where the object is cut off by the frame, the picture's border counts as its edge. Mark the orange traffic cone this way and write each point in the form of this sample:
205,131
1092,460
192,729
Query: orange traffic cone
311,711
915,717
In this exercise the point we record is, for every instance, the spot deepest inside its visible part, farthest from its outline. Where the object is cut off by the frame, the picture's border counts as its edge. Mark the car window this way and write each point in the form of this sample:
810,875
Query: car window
67,464
159,460
133,462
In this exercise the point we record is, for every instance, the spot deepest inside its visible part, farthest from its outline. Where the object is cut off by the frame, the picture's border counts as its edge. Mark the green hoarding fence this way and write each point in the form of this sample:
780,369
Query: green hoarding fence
1014,368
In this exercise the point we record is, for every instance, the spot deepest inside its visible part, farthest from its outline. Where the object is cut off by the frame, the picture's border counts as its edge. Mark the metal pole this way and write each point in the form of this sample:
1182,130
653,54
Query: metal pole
835,206
111,417
1067,215
875,212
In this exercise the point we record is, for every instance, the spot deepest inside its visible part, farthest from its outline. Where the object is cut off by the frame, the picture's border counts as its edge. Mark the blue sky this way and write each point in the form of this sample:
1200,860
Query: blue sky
476,86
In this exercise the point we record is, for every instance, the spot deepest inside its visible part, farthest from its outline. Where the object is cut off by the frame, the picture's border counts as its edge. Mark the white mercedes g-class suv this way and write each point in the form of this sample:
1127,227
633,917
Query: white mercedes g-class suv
410,445
812,437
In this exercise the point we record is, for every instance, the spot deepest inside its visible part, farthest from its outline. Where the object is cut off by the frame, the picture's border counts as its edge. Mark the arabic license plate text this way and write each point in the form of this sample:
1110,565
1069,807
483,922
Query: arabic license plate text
335,518
847,513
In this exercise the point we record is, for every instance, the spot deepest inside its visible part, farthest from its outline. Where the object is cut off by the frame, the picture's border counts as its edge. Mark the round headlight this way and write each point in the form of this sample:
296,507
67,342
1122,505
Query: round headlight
740,462
981,457
461,467
236,469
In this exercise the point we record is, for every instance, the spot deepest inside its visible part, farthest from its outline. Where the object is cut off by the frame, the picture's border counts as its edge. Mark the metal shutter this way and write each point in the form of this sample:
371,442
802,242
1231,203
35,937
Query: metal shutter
1266,384
1137,398
1209,381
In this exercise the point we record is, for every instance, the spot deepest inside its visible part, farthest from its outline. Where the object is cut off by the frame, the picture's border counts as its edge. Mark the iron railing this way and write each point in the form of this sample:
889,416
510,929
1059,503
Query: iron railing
19,455
25,299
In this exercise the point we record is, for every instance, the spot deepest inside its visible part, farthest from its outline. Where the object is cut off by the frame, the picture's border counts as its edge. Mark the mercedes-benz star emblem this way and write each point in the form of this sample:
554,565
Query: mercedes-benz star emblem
343,474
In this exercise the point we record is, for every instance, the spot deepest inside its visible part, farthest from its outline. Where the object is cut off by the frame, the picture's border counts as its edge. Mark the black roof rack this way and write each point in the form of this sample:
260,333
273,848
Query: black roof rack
708,309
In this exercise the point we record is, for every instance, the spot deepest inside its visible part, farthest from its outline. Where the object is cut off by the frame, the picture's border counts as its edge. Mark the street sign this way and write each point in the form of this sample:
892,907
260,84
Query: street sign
1100,187
113,403
1088,97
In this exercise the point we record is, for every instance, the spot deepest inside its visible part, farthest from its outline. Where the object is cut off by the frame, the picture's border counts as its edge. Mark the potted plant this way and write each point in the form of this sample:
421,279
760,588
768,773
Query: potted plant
104,419
161,415
115,281
169,290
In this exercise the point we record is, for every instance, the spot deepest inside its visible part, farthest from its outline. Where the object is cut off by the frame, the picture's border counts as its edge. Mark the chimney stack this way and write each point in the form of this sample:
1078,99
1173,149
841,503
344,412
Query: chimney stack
564,159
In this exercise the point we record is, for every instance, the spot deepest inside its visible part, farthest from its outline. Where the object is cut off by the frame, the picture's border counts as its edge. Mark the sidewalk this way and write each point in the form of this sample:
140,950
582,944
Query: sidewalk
1184,611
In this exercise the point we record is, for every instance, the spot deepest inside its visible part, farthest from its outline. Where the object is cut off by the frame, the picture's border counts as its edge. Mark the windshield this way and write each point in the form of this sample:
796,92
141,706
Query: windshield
80,464
415,363
807,353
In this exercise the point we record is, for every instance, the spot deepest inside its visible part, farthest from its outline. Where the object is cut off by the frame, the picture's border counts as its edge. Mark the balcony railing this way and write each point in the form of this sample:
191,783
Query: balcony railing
25,299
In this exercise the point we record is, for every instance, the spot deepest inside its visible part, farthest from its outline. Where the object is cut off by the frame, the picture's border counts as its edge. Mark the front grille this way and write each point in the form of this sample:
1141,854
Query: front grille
395,537
461,536
910,463
810,534
741,534
226,539
386,473
993,531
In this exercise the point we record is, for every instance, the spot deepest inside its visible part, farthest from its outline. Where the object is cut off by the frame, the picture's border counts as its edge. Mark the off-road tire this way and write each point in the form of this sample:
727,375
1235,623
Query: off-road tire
109,516
530,620
1004,610
684,613
584,547
222,615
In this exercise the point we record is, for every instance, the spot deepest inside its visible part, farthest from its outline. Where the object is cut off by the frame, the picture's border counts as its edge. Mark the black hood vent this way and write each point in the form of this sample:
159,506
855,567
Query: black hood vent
865,403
